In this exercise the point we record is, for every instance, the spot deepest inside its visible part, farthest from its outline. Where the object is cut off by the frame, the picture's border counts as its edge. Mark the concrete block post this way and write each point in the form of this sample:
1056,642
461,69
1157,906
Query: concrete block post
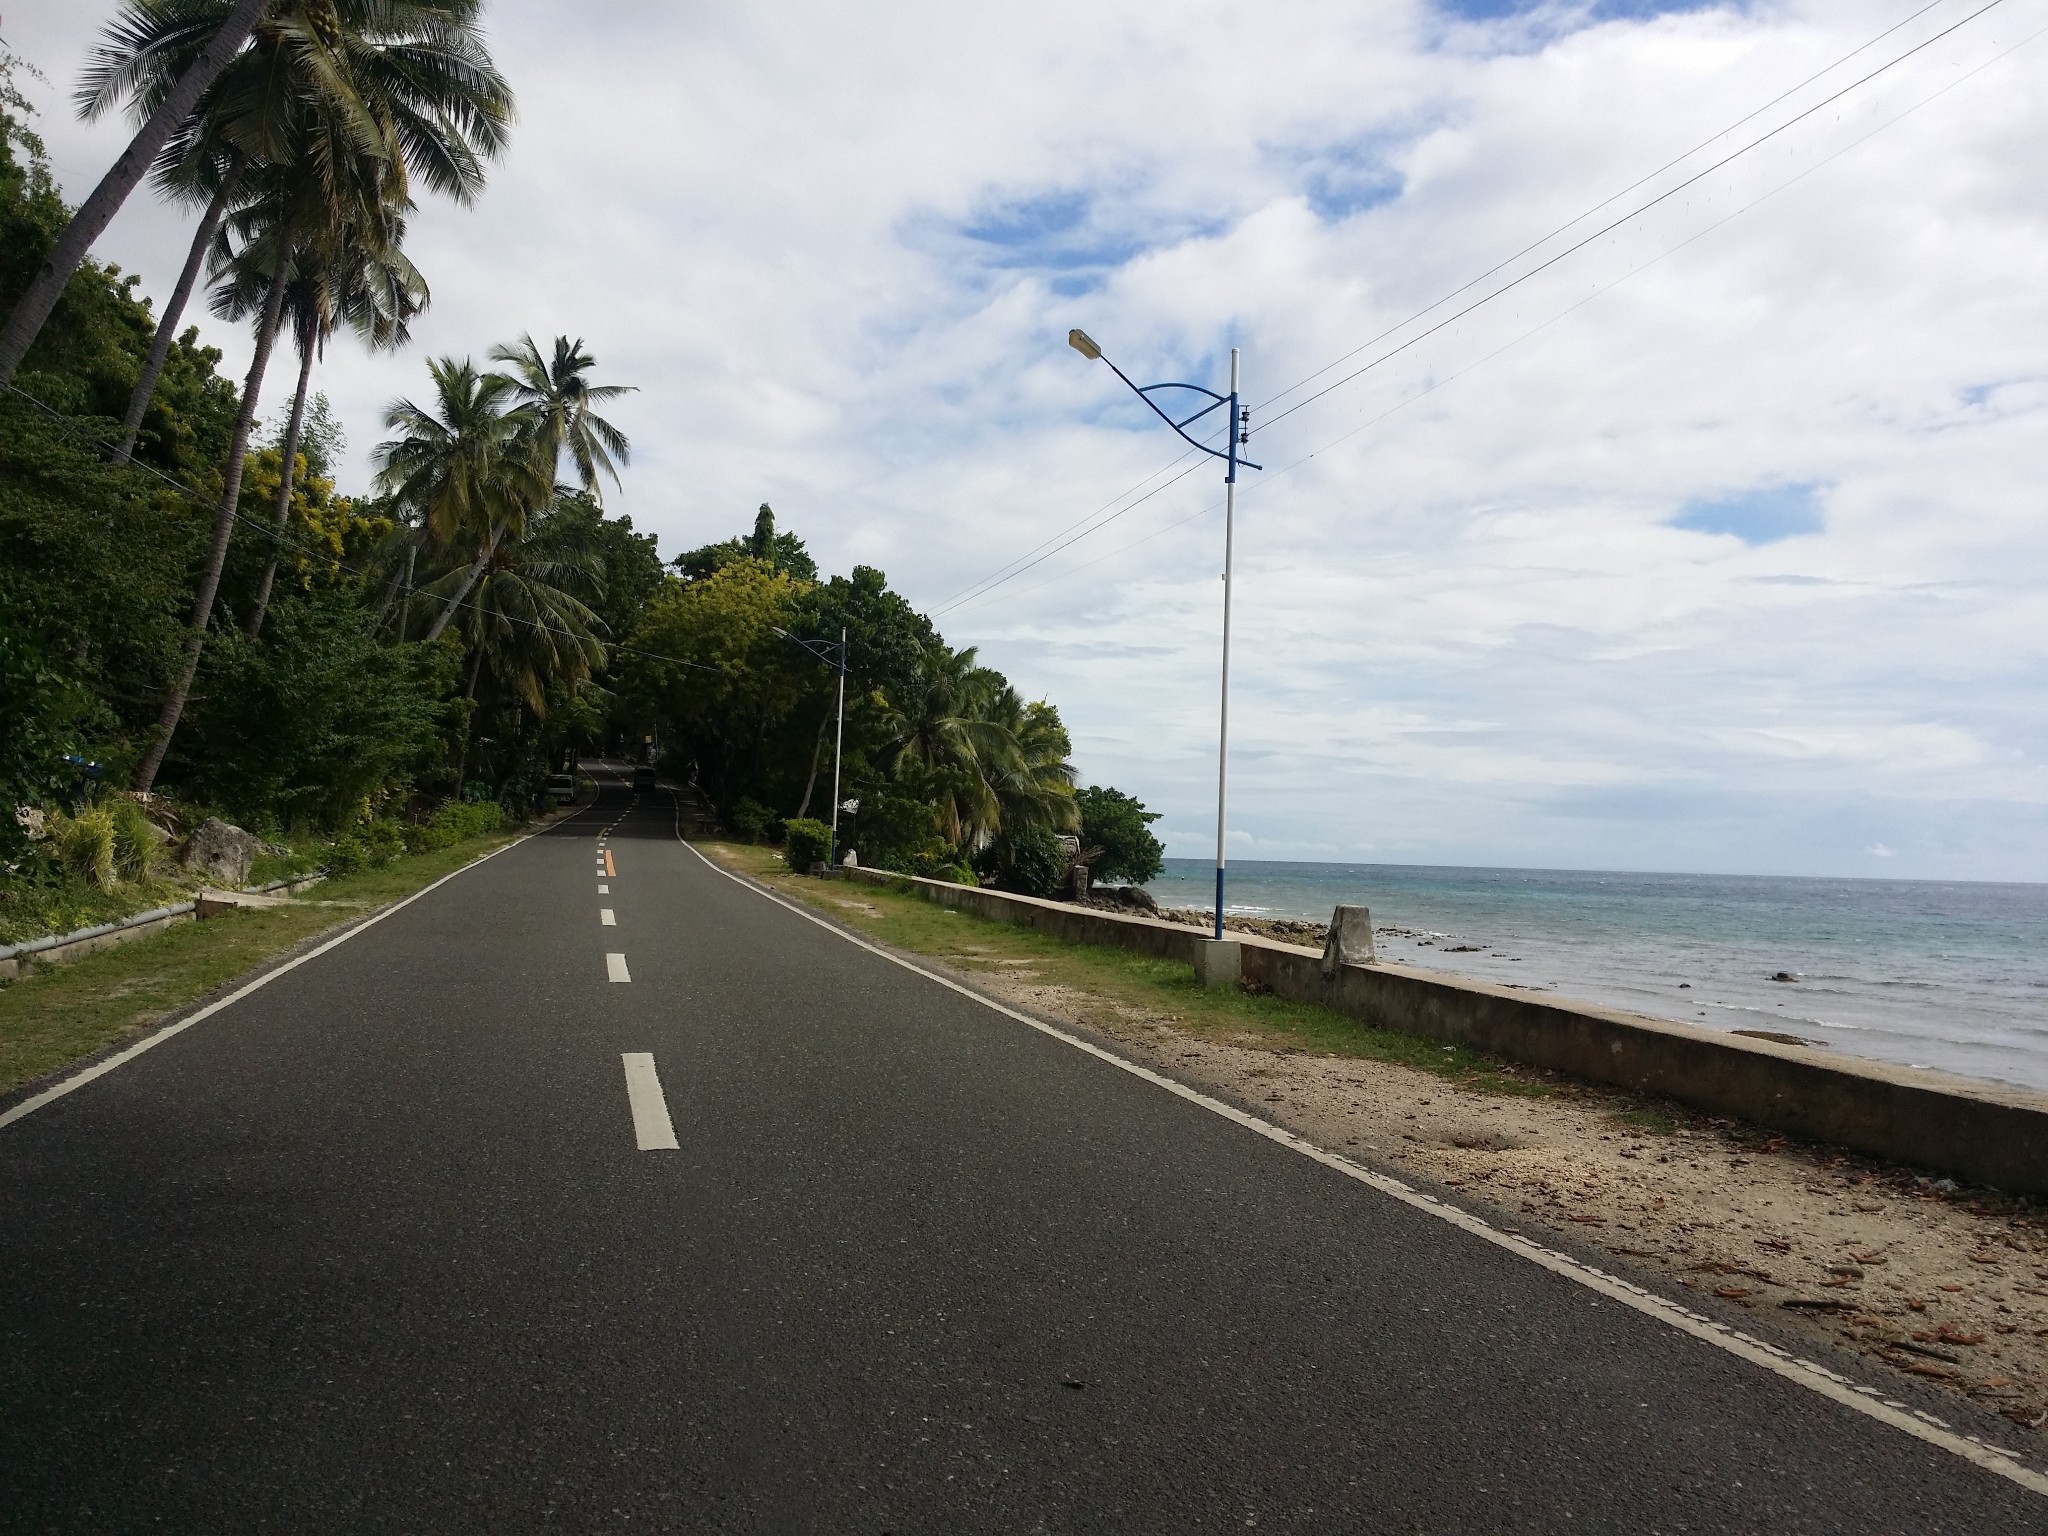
1350,941
1219,962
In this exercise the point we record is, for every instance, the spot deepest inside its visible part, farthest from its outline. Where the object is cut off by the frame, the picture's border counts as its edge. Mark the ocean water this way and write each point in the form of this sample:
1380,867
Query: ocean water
1942,974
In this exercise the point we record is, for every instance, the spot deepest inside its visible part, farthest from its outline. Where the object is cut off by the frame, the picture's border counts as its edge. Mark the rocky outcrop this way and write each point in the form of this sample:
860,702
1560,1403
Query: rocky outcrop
221,852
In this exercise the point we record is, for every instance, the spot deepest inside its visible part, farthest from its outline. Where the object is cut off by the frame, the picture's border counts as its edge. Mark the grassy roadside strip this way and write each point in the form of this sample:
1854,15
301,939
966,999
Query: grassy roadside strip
59,1014
1120,977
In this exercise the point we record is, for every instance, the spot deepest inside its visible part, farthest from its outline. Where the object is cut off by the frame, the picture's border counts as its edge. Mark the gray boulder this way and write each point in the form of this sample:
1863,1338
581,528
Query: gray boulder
1135,897
221,852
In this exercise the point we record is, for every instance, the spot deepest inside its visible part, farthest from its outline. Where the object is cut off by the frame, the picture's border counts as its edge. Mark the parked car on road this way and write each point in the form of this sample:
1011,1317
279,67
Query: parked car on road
562,788
643,776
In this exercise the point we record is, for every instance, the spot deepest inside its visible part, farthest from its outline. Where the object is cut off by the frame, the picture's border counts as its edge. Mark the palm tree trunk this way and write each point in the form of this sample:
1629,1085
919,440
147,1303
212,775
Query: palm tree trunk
476,571
476,667
34,306
223,530
285,476
401,576
174,311
817,751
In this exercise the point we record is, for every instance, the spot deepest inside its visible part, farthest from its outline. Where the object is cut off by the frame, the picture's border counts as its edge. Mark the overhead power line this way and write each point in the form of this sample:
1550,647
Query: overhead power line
1610,227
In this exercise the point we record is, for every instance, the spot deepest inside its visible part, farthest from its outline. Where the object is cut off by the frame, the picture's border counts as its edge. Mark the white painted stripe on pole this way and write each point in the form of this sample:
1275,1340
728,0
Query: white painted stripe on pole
652,1128
28,1107
615,968
1806,1373
604,916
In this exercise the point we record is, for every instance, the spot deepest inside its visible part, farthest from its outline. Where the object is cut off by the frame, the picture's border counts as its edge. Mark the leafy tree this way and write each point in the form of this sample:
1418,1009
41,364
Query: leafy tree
1118,827
318,720
709,659
777,551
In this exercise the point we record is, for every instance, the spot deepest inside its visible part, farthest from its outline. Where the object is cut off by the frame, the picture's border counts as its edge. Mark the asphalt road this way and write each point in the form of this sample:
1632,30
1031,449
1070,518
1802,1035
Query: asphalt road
378,1248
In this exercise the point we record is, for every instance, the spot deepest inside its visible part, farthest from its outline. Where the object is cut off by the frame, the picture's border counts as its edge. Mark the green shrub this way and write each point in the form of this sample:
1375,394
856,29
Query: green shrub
382,841
456,822
346,854
959,874
136,844
1032,862
752,820
85,845
806,842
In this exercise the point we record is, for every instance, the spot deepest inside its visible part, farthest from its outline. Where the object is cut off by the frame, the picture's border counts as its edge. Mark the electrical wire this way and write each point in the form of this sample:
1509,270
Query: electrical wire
1581,218
1609,228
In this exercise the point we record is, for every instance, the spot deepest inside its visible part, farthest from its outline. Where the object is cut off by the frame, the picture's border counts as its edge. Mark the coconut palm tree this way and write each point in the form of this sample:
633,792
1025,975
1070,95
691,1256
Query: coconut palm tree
941,737
217,46
1030,774
463,468
293,208
410,80
356,275
554,400
527,619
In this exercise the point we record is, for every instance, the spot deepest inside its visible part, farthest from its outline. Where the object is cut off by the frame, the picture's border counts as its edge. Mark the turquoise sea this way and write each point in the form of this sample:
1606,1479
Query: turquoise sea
1942,974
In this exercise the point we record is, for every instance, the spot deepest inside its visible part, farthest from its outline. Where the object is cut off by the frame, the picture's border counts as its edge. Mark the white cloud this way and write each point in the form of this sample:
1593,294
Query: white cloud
839,251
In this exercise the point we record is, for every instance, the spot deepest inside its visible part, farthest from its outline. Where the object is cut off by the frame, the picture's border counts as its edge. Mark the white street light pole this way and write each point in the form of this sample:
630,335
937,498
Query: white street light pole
1223,726
1237,432
838,745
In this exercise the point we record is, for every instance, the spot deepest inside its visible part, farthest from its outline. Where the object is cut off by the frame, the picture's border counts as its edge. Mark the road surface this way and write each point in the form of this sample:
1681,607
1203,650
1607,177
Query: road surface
594,1190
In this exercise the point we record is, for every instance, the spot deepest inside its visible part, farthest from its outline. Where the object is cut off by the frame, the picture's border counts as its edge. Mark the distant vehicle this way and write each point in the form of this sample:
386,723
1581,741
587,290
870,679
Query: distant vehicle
562,788
643,776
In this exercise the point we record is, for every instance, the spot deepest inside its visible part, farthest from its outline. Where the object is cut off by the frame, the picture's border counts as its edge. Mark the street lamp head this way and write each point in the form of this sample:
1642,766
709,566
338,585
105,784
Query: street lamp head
1084,344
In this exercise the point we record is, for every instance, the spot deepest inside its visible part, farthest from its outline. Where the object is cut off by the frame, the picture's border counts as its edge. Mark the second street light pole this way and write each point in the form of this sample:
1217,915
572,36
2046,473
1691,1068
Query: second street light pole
838,746
818,648
1236,433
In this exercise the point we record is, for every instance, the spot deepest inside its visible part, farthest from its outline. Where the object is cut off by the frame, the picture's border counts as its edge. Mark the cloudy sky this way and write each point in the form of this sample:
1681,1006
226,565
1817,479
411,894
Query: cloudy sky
1713,543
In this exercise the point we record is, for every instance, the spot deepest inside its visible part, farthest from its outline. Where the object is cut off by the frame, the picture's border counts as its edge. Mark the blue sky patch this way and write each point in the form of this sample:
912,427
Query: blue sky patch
1762,516
1053,231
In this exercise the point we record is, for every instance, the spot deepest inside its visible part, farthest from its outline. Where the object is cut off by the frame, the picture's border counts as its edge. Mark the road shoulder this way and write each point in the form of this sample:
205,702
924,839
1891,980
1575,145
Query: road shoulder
1933,1286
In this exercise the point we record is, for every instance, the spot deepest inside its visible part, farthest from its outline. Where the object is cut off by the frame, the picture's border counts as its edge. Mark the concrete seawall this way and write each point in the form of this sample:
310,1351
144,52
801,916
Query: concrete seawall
1981,1132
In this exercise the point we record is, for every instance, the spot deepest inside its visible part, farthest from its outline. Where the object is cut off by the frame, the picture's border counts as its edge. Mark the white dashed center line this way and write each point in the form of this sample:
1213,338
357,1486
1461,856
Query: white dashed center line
615,968
603,889
604,916
653,1131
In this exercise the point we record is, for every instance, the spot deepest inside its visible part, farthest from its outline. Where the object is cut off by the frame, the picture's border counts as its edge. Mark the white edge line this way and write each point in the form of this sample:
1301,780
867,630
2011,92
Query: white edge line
1806,1373
57,1091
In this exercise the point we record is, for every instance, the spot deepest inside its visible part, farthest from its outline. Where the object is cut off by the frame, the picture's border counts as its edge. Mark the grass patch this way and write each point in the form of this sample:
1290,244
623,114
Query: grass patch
1166,988
60,1013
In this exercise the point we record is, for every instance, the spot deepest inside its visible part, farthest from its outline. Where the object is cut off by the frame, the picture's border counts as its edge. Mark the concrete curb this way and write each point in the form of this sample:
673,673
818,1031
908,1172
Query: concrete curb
1982,1132
55,948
